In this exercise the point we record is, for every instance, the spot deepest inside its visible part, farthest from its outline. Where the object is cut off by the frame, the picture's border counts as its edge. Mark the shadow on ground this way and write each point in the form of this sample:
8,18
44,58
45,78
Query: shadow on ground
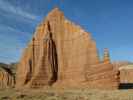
126,86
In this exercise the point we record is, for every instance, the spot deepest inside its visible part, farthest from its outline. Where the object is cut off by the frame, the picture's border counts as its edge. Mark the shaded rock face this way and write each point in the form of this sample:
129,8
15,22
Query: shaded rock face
62,54
6,78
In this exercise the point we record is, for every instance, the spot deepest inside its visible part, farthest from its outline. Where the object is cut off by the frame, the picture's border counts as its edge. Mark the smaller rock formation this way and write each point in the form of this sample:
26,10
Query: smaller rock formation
106,58
103,73
6,78
126,74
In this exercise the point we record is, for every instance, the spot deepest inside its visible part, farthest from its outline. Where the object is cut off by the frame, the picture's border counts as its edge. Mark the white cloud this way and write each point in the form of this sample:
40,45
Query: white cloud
6,6
15,37
6,28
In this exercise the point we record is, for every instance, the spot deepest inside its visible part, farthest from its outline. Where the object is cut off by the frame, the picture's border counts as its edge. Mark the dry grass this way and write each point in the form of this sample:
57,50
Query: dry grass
69,94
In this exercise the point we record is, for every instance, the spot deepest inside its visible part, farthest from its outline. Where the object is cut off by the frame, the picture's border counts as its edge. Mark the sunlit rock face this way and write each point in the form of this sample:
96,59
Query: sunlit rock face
126,72
62,54
6,78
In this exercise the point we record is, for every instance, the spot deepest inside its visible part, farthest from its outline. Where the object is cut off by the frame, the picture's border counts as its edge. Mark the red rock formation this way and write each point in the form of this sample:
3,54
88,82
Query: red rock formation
64,59
6,78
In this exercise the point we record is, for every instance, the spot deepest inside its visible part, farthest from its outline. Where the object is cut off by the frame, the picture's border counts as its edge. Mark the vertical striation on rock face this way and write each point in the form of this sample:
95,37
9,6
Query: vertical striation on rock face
47,67
62,54
6,78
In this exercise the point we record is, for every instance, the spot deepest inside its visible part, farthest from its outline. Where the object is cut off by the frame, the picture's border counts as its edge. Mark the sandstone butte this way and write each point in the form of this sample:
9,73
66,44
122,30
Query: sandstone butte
62,54
6,78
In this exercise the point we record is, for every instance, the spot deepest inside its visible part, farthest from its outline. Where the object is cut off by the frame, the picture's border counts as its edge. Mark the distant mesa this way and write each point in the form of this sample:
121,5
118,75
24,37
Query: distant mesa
62,54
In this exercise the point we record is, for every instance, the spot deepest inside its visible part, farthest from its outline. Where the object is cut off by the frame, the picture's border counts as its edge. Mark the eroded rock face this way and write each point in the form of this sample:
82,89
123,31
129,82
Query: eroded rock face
126,72
62,54
6,78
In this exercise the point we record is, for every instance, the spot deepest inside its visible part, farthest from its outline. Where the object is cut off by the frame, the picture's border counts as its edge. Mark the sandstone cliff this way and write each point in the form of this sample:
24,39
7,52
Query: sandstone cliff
62,54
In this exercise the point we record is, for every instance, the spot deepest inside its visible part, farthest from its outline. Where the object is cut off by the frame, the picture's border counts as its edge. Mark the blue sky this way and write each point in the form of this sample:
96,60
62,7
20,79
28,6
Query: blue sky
109,21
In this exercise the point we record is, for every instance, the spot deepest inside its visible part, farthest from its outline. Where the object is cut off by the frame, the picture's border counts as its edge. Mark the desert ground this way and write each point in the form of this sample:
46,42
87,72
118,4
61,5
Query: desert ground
65,94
